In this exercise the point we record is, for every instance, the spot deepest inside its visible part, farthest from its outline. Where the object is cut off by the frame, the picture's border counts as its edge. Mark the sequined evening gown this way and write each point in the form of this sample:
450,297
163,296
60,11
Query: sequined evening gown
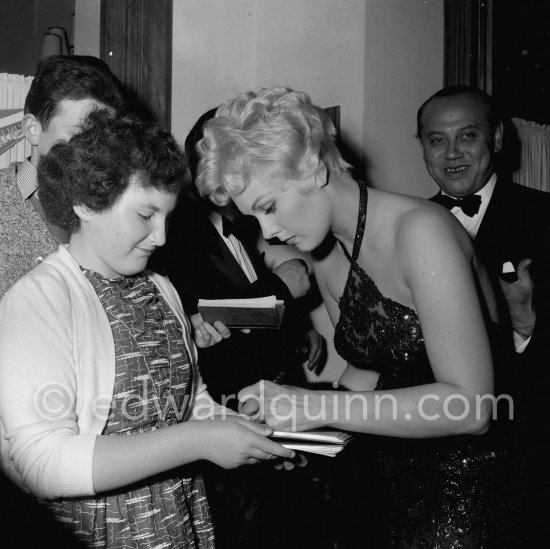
452,492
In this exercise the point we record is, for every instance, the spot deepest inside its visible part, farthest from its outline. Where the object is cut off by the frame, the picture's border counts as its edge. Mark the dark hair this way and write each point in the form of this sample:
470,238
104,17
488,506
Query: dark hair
193,137
94,168
491,113
73,77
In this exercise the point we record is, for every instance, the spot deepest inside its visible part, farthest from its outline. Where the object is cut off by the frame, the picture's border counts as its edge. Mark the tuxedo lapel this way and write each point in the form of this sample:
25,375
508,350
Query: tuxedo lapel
491,224
497,241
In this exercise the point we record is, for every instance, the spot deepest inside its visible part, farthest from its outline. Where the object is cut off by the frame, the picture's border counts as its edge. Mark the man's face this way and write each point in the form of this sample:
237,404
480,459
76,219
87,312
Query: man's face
458,144
65,123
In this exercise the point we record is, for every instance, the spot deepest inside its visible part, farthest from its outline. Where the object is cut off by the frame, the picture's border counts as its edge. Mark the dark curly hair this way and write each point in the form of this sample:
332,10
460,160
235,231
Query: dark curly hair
94,168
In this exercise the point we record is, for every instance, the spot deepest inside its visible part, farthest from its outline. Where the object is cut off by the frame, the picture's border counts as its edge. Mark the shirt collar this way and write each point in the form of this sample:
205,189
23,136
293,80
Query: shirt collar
216,220
485,192
27,179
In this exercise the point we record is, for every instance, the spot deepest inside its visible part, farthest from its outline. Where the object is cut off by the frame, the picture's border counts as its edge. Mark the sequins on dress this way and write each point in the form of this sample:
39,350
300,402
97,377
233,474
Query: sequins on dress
152,390
452,492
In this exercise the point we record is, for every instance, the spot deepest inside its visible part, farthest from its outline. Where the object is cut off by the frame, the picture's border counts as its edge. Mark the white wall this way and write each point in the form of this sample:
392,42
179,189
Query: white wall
86,27
403,67
222,48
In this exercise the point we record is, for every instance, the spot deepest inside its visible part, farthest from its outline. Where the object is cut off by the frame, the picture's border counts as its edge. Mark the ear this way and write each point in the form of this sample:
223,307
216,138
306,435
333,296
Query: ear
321,179
499,132
31,129
83,212
420,144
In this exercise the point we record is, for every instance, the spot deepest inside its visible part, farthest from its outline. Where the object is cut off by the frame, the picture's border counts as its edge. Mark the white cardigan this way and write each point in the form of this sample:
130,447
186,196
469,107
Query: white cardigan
57,370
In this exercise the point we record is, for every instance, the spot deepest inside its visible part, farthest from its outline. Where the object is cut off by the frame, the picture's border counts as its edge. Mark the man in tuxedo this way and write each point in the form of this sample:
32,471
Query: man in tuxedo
461,135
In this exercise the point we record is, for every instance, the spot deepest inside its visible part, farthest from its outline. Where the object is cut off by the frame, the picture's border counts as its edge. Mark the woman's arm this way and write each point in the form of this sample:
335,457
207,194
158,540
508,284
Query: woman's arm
44,442
356,379
434,258
230,442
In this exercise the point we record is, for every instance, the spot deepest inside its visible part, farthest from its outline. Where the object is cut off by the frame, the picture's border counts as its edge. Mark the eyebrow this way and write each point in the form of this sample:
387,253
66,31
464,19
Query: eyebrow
150,206
259,199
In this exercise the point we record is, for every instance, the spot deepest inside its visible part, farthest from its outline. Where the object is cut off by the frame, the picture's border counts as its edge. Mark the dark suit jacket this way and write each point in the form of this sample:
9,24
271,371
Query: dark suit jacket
200,265
516,225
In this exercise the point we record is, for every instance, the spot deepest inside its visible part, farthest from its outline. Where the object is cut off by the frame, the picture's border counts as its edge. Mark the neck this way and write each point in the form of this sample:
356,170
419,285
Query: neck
344,194
34,158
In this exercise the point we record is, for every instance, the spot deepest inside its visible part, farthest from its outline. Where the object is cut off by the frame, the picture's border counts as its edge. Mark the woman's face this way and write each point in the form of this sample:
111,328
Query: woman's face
120,241
295,211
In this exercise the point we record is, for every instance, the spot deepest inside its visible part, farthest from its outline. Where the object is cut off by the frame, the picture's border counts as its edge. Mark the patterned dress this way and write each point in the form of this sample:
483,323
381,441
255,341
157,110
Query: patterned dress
152,390
450,492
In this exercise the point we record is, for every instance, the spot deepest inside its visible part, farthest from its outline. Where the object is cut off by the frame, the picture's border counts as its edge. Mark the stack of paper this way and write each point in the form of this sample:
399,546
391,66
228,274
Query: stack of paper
260,312
11,130
326,443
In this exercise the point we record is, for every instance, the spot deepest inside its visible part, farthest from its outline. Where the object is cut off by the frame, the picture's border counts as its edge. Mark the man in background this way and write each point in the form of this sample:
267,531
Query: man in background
63,91
461,135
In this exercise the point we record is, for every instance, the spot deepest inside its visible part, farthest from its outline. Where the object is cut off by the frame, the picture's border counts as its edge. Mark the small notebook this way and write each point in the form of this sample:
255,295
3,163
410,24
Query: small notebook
260,312
326,443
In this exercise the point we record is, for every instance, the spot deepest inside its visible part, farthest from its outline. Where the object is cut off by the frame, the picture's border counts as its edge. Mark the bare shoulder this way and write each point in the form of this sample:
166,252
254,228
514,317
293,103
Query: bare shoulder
427,228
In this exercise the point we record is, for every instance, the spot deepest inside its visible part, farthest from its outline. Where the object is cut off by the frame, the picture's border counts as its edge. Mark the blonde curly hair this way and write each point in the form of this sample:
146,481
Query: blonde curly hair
268,131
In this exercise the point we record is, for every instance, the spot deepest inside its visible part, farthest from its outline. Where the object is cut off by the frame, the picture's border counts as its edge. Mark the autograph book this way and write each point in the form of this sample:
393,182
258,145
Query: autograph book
326,443
260,312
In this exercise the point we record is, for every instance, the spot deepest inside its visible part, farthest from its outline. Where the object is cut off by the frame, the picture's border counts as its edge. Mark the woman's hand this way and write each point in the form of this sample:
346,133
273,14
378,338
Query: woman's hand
236,441
285,408
206,335
315,351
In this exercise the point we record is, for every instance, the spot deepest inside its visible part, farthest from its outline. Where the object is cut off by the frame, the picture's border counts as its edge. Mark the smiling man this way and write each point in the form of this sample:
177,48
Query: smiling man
461,135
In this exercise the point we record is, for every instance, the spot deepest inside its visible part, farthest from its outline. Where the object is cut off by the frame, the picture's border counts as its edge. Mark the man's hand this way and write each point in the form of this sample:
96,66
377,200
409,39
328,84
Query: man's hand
206,335
519,296
294,273
314,351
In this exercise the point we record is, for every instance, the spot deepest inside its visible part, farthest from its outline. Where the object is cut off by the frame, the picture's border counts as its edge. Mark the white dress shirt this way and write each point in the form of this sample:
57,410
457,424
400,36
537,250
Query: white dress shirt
235,247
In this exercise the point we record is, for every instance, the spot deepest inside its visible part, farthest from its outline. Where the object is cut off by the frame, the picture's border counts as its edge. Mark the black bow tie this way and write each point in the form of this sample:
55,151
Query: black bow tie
469,204
234,227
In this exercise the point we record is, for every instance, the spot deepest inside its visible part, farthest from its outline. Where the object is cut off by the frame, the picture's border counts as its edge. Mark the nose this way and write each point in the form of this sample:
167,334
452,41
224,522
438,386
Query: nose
269,229
453,149
158,236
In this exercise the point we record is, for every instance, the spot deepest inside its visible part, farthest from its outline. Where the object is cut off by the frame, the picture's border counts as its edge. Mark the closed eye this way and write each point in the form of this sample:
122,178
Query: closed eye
143,216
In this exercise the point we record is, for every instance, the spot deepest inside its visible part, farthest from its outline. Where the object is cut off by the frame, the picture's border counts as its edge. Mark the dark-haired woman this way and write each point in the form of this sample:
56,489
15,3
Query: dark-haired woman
99,388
